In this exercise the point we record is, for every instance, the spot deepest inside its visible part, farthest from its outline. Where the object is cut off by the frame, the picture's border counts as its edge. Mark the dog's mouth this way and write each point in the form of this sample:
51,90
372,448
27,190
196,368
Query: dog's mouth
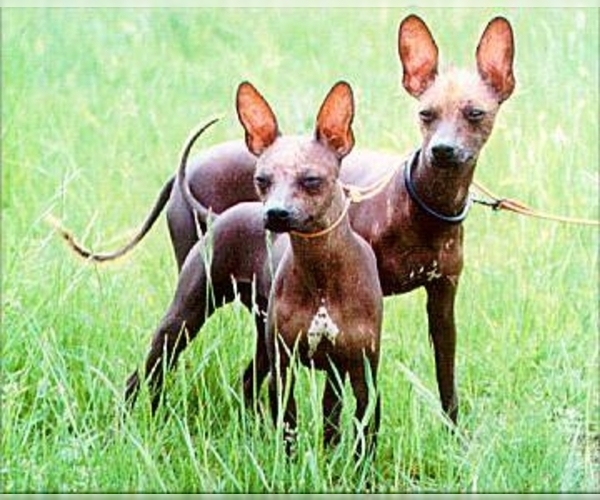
446,164
276,226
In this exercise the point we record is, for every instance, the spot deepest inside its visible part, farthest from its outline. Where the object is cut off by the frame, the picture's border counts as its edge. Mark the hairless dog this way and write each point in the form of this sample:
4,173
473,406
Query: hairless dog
326,300
413,224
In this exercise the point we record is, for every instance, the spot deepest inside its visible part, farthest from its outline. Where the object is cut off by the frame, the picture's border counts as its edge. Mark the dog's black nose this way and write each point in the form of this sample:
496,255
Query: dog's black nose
278,214
278,219
444,153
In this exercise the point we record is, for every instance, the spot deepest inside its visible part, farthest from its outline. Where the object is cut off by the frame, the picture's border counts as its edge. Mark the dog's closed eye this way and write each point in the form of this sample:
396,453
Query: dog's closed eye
311,182
427,115
474,114
262,183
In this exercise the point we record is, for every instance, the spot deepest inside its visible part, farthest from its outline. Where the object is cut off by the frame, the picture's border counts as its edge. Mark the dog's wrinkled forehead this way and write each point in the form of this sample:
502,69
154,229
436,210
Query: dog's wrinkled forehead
457,87
292,154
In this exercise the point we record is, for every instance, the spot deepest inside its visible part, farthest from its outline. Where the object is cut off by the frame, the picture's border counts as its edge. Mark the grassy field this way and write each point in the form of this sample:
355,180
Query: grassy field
95,106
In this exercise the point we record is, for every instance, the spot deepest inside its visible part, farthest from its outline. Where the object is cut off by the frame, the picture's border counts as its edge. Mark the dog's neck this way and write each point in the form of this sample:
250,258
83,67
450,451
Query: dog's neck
318,261
445,191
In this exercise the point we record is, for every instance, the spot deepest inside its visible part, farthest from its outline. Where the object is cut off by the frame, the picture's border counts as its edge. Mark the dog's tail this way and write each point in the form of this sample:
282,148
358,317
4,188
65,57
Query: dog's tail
202,212
87,254
158,207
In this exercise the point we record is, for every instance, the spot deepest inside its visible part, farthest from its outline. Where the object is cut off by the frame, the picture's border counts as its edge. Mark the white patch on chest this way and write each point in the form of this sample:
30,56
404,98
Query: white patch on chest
430,273
321,326
434,272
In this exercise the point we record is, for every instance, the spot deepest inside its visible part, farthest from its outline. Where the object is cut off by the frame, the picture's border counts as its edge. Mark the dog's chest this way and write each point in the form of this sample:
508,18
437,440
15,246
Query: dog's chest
316,323
323,331
423,271
417,266
322,328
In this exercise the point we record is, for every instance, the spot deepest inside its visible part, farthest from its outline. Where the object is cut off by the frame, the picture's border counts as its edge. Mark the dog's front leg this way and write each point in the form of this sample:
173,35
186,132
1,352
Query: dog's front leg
332,407
281,389
363,393
441,295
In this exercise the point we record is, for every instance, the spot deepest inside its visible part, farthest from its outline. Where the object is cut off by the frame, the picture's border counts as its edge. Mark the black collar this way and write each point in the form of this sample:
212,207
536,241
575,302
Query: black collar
409,165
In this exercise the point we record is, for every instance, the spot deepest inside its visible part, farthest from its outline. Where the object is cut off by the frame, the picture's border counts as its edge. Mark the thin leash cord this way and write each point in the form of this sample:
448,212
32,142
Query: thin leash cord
358,194
498,203
328,229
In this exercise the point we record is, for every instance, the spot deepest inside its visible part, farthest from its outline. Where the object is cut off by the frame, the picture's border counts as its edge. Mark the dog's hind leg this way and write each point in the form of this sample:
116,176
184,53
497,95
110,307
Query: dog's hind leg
191,305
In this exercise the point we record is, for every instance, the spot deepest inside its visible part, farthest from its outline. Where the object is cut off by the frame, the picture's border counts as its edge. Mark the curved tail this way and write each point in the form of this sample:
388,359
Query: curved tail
87,254
202,212
158,207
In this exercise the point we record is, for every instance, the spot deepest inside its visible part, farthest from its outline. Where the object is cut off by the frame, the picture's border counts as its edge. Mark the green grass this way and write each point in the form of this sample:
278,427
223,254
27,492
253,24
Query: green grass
95,106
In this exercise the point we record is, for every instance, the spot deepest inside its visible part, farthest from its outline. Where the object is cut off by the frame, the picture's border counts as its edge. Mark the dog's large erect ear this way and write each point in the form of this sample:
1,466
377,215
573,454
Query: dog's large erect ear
418,55
256,117
495,54
334,121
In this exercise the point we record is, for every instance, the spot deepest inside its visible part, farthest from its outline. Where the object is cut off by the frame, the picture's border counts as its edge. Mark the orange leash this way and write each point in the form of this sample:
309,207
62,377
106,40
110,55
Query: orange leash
520,208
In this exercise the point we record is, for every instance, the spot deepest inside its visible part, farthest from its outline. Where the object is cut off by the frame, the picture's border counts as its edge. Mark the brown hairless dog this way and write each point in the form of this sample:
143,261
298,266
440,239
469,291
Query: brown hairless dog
325,300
